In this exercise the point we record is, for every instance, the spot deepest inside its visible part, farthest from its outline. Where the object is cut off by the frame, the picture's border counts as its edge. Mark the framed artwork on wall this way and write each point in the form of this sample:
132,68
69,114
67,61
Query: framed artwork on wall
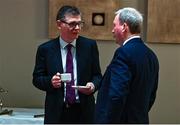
163,21
98,16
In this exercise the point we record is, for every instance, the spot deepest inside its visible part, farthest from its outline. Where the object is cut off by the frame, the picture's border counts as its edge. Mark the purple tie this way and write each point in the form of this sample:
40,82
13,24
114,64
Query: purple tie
70,92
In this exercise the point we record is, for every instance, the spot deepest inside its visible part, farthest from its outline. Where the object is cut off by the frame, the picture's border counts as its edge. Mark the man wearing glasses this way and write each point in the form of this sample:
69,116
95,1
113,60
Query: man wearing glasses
68,101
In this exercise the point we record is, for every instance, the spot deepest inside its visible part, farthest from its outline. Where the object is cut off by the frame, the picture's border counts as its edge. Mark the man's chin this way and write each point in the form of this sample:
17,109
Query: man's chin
76,36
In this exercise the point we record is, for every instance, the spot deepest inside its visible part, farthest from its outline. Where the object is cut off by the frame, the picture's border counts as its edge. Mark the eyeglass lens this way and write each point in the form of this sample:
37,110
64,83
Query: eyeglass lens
74,24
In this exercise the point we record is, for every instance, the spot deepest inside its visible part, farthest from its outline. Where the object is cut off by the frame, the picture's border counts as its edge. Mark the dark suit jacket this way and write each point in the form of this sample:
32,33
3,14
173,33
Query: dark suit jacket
129,85
48,63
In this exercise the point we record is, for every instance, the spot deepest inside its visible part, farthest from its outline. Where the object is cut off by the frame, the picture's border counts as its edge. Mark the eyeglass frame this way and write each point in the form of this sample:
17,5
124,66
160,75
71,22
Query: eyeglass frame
73,24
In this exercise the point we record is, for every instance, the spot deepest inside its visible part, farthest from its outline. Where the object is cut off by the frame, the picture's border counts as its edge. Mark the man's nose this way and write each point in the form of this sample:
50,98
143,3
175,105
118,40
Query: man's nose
77,26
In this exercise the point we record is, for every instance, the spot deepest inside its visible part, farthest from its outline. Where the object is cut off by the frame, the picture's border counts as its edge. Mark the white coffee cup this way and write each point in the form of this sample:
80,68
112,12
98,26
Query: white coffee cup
66,77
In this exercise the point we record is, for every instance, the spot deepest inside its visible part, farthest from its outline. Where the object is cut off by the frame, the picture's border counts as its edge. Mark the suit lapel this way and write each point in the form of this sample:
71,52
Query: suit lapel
56,56
79,57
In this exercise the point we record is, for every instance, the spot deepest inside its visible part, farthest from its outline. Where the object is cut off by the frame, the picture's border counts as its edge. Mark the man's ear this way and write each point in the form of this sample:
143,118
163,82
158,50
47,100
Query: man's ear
125,27
58,22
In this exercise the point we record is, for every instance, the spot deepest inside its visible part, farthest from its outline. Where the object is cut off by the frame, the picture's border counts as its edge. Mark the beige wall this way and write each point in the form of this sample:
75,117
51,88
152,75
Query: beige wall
24,25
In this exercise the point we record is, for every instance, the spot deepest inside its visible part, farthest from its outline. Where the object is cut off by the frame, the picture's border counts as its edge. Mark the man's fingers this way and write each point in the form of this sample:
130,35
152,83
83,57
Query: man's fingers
56,80
58,74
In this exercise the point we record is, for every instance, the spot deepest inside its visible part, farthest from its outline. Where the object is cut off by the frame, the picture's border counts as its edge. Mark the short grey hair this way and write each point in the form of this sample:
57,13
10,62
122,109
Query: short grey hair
132,17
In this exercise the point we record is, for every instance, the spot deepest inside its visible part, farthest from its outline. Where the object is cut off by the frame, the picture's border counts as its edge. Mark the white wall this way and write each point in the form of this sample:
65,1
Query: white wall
24,25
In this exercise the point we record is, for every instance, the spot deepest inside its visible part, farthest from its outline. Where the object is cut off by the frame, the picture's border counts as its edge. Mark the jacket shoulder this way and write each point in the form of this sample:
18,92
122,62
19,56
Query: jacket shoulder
49,43
86,42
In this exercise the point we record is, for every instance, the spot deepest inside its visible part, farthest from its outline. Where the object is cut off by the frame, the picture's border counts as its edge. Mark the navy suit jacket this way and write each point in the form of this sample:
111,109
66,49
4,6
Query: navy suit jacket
128,88
49,62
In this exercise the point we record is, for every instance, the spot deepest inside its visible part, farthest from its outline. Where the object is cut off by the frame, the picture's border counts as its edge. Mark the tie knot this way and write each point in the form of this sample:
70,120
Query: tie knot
69,46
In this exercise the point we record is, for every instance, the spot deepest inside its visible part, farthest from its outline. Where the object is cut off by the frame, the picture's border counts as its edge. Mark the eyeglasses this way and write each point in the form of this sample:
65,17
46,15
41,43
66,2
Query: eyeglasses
74,24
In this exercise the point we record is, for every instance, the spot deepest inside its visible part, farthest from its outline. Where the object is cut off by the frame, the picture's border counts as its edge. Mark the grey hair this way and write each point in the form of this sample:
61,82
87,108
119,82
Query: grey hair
132,17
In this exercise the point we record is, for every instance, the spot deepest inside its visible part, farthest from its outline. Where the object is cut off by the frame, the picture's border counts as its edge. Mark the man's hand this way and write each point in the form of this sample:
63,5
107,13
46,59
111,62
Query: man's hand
88,90
56,80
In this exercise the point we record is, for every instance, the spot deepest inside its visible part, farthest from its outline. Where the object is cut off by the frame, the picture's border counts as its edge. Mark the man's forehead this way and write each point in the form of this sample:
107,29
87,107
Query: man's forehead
69,16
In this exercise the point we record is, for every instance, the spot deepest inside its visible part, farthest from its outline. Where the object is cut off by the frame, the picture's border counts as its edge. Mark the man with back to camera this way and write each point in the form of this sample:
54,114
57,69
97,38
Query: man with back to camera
129,85
73,54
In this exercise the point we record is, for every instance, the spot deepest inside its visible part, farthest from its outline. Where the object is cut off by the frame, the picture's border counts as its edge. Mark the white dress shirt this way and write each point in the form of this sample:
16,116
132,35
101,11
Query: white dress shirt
63,49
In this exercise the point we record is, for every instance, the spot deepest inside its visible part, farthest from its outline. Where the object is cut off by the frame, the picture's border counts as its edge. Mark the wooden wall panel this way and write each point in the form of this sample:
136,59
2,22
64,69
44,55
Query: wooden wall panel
163,24
87,7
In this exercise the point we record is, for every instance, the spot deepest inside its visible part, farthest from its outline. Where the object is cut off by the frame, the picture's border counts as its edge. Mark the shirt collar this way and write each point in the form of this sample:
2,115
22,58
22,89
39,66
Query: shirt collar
63,44
130,39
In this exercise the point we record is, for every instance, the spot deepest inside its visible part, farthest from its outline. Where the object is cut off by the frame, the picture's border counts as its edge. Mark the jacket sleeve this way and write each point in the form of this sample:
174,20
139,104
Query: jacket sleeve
41,79
97,76
119,78
153,94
